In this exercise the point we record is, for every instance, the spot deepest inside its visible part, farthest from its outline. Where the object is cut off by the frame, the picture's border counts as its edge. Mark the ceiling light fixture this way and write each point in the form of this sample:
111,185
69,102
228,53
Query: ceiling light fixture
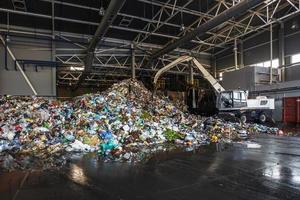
295,25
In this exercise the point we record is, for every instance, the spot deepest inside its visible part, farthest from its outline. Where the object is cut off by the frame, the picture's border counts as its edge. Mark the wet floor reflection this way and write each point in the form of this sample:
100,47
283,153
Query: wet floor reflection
270,172
77,174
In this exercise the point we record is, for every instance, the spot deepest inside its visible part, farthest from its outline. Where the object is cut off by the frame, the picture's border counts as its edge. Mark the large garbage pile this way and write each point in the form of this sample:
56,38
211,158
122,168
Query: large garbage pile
220,129
126,122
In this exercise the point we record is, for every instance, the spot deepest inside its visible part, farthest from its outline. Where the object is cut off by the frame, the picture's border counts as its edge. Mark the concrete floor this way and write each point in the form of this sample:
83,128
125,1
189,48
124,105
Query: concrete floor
272,172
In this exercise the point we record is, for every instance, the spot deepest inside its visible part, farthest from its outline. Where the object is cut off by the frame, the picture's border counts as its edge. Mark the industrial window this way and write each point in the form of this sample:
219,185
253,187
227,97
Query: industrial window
221,76
295,58
259,64
275,64
267,64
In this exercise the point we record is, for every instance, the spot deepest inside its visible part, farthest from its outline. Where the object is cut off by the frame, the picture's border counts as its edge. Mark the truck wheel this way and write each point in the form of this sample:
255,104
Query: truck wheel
262,118
243,118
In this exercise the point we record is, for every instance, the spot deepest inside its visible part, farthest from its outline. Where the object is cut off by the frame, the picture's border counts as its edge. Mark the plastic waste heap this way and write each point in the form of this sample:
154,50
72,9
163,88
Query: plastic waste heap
124,123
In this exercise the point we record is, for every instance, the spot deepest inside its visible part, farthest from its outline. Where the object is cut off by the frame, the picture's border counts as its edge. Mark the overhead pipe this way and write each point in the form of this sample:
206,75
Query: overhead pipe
202,29
109,16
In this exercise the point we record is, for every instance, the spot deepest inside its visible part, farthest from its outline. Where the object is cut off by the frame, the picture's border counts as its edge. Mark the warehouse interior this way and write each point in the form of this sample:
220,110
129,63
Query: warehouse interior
122,99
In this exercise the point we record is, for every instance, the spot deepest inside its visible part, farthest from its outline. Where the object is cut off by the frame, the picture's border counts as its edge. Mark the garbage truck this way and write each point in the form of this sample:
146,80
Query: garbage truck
230,102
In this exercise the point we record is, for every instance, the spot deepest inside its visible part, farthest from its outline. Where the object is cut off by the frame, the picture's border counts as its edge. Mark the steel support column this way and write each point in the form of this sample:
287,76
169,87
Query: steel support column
53,52
192,84
213,62
132,61
241,53
281,52
235,50
271,53
5,53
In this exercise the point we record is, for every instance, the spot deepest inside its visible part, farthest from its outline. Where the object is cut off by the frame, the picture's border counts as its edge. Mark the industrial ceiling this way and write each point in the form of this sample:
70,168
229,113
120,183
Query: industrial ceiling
152,28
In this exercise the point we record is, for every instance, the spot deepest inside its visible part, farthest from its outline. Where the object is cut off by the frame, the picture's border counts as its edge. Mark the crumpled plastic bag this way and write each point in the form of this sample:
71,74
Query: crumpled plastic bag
78,146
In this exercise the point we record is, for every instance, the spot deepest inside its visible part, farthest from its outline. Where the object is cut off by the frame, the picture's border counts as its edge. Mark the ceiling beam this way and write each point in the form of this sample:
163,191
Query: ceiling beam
110,14
202,29
41,33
